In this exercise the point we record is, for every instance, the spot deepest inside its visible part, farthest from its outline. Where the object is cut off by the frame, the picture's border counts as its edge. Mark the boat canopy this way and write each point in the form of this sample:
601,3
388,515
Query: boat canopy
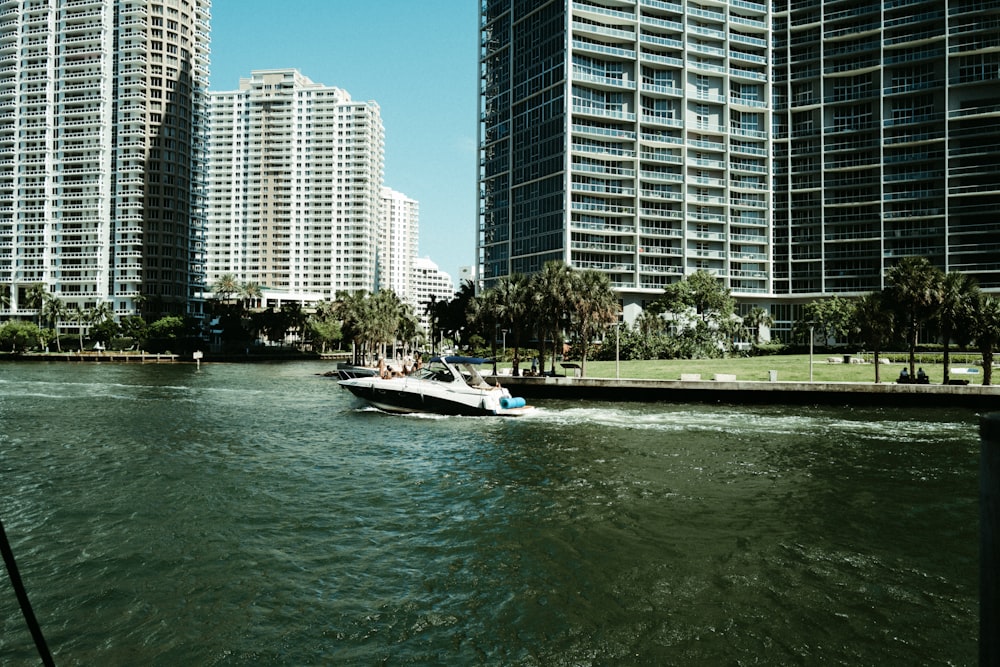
462,360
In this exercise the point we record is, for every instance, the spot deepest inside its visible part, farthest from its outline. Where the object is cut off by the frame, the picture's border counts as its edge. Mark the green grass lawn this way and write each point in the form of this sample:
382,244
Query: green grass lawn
790,368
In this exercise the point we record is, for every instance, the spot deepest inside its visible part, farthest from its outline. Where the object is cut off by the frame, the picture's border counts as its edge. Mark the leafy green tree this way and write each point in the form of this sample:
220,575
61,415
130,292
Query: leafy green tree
275,324
702,311
593,308
985,330
166,333
323,328
829,317
134,327
648,338
105,331
958,295
18,335
873,320
914,287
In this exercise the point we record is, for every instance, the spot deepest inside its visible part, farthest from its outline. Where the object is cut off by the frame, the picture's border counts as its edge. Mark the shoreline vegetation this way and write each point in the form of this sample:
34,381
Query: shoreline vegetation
825,366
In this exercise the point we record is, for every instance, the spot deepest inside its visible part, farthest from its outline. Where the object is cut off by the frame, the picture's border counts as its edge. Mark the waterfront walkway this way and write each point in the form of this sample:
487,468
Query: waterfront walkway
116,357
754,392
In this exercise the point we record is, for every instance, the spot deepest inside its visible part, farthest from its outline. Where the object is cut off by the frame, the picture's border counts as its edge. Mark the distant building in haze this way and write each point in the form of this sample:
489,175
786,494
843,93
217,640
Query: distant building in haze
430,283
295,182
102,154
466,273
398,245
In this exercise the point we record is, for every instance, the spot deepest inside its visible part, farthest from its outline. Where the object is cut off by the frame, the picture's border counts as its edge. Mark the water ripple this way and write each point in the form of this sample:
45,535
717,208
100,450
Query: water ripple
257,515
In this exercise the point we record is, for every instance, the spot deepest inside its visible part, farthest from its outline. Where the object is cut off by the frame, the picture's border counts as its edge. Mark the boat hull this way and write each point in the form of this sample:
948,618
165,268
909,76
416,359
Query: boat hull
407,399
447,386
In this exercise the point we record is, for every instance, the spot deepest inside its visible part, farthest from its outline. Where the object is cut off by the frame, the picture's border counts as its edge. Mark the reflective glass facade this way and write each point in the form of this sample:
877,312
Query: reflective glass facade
793,150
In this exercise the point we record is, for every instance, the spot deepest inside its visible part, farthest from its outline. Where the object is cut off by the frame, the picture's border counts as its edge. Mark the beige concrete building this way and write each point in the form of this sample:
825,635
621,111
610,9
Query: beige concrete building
295,182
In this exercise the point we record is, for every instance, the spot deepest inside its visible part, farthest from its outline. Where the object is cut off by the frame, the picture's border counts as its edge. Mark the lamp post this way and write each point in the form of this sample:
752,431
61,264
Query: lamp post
504,332
811,336
618,370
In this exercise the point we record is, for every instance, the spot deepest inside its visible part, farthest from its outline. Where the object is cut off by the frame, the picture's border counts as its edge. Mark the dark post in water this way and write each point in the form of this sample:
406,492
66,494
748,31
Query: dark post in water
989,544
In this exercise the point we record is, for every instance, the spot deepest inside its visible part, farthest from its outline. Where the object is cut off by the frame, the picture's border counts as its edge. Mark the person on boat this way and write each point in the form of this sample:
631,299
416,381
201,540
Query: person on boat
383,371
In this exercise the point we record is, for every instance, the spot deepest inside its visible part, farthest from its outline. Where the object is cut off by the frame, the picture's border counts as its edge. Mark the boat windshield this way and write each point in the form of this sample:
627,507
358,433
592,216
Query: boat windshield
472,376
442,372
435,371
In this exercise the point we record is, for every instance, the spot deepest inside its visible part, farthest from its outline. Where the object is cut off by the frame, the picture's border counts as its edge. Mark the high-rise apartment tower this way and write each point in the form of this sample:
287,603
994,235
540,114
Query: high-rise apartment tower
886,141
295,176
793,150
101,153
400,225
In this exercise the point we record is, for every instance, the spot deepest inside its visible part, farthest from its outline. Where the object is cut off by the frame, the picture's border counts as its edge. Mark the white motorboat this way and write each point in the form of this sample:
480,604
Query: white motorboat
448,385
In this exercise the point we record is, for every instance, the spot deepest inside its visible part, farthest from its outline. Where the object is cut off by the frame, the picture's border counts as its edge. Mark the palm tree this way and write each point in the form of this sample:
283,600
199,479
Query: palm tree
350,309
755,320
550,291
958,293
225,287
409,333
81,317
511,301
34,298
482,314
985,330
249,294
594,307
386,310
102,311
52,312
914,286
874,322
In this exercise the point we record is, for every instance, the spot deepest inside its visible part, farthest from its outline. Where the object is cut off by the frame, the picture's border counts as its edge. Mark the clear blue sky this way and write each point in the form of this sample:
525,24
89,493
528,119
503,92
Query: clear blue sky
418,59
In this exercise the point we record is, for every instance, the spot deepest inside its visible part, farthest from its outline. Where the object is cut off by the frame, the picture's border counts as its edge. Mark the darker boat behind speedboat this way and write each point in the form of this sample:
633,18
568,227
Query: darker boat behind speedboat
449,385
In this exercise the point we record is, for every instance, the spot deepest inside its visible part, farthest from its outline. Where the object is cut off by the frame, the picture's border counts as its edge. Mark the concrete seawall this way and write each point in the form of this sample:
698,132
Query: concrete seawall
762,393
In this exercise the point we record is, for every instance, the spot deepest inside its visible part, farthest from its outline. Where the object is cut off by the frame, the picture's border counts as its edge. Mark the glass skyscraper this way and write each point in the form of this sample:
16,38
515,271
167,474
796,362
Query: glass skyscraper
793,150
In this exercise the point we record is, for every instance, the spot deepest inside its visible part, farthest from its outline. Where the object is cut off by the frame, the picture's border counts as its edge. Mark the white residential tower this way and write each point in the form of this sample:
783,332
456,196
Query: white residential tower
101,150
295,178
